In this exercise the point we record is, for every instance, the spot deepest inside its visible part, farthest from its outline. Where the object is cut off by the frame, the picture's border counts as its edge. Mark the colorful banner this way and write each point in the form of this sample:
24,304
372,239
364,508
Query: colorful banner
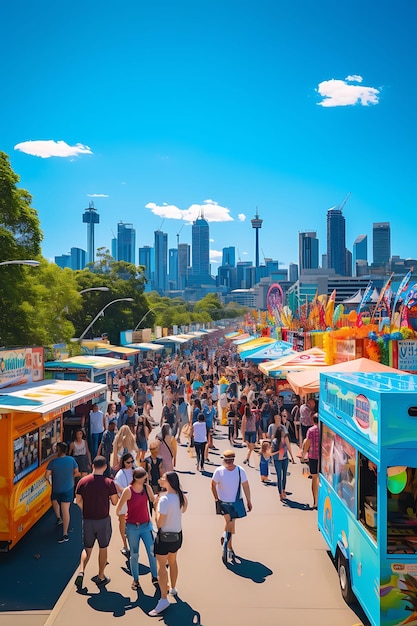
21,366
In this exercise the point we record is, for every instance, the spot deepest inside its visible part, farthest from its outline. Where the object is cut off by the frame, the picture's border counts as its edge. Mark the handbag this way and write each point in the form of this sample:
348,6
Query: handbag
238,505
168,537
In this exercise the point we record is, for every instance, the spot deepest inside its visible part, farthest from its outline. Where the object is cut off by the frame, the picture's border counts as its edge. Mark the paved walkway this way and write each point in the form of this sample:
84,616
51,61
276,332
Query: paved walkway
284,575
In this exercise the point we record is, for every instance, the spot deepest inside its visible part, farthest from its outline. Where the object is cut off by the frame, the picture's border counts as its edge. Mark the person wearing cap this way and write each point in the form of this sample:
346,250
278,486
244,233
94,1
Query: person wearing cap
226,485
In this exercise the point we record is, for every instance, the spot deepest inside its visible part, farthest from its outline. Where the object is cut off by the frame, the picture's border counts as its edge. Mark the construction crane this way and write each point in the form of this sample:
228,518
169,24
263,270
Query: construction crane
162,223
341,206
178,234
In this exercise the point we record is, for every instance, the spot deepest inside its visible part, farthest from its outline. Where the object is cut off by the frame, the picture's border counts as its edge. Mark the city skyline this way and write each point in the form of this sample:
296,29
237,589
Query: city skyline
167,110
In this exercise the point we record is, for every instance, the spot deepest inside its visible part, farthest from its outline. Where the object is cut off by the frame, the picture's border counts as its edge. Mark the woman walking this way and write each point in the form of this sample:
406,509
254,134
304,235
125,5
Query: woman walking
199,430
143,430
137,496
281,446
123,442
170,506
122,480
166,448
79,450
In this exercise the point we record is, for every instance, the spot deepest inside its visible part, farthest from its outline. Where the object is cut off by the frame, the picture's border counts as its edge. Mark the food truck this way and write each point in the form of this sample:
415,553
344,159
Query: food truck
367,506
31,423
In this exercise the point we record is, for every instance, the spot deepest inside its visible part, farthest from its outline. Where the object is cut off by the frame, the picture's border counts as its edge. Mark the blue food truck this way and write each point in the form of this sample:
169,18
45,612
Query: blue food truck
367,506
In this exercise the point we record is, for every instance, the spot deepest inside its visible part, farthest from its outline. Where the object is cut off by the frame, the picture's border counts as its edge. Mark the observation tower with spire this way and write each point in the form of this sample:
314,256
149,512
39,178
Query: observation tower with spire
257,225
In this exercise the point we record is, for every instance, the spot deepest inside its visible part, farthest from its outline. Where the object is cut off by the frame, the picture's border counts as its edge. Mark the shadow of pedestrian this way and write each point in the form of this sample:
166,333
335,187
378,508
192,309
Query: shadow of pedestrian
249,569
206,473
292,504
110,602
179,613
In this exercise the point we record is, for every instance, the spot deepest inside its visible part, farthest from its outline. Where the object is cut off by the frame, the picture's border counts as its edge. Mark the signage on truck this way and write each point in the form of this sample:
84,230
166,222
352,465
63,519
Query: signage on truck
21,366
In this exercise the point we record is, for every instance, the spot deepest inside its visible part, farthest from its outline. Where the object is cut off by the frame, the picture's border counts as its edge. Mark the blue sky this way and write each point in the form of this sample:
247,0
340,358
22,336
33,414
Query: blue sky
152,109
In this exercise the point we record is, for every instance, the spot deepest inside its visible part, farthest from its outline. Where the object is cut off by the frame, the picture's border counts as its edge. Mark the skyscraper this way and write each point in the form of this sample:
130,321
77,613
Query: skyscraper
200,251
257,225
173,268
336,241
78,258
161,261
145,259
308,251
91,218
229,256
126,242
381,242
360,251
183,264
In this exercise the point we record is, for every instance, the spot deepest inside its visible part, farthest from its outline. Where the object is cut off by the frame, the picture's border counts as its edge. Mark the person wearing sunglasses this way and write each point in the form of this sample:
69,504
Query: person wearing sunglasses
226,487
137,497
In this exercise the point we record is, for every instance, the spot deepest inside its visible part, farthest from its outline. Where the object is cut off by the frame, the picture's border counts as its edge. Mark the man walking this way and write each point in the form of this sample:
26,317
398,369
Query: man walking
62,470
306,417
93,495
97,425
226,488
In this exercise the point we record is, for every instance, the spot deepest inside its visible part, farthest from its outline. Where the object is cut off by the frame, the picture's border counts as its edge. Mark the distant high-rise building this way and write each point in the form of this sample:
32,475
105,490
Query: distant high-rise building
200,251
336,241
184,259
161,261
126,242
63,260
145,259
293,272
241,267
308,251
91,218
114,248
257,225
78,259
173,268
229,256
348,263
360,251
381,242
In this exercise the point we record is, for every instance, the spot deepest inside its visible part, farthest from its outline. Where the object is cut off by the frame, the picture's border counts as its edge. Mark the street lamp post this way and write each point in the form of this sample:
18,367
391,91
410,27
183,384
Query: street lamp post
145,316
21,262
65,309
101,313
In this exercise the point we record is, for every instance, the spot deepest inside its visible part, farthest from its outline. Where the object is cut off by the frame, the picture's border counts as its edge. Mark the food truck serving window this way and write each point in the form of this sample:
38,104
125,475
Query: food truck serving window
338,466
50,436
26,454
401,510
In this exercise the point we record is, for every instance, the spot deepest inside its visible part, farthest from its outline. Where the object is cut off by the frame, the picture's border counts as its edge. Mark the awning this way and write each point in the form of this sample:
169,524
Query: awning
47,396
270,352
101,363
308,381
143,346
314,357
99,347
255,343
173,339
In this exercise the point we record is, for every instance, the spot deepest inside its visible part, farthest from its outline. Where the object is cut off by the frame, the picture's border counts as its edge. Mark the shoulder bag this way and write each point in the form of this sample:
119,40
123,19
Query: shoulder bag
238,505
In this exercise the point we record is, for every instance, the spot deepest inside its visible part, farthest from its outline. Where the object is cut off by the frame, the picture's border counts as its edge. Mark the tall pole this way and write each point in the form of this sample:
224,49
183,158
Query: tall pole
101,313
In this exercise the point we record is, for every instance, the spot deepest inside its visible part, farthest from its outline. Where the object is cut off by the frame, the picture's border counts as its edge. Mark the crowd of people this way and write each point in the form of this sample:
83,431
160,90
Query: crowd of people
130,456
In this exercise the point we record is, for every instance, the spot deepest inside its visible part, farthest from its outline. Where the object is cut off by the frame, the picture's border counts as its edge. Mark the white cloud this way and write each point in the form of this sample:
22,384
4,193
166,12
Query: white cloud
245,253
215,256
211,210
49,148
97,195
211,240
241,217
338,93
354,78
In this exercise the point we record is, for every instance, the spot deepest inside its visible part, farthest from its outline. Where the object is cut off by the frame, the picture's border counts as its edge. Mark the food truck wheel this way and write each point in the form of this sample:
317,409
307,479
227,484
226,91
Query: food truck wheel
344,579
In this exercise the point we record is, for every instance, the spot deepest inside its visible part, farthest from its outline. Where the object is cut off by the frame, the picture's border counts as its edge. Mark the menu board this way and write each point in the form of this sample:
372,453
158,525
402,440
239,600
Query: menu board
50,436
26,454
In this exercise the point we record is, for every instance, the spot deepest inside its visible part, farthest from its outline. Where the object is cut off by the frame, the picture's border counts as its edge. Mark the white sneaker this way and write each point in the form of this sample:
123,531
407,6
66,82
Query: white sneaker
173,591
163,604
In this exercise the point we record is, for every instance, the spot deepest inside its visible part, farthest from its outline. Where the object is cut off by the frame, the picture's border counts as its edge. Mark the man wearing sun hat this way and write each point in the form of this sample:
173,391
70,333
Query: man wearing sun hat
226,485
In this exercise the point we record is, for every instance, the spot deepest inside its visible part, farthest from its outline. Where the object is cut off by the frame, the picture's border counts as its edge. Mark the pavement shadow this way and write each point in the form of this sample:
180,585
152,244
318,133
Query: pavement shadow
255,571
293,504
106,601
207,474
179,613
355,606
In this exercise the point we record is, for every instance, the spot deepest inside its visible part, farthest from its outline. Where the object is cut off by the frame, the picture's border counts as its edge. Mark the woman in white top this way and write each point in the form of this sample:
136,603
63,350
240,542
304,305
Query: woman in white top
170,505
79,450
199,430
122,480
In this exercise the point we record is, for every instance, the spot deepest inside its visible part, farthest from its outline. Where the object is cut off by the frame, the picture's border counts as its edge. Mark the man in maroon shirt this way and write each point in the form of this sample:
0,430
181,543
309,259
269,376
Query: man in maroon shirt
93,495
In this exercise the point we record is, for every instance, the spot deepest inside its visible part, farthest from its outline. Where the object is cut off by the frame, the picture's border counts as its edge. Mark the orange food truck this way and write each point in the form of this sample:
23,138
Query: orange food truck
31,423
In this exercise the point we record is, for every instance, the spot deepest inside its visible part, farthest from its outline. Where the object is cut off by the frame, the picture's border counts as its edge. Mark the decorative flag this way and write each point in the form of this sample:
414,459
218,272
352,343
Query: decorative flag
365,298
403,286
381,295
